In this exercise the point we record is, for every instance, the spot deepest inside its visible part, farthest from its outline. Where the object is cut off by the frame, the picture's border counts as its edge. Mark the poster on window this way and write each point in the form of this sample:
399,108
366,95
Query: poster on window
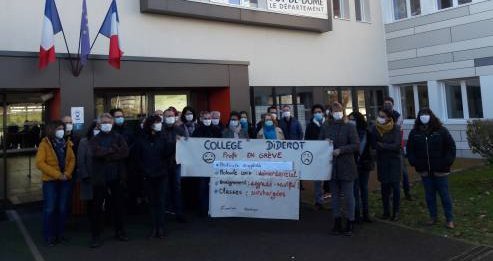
311,8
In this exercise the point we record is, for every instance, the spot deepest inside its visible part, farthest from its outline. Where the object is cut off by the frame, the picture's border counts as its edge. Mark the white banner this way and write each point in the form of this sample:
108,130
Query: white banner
254,190
311,160
312,8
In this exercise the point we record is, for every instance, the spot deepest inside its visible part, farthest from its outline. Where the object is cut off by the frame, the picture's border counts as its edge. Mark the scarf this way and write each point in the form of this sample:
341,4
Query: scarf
59,148
384,128
318,123
270,133
190,127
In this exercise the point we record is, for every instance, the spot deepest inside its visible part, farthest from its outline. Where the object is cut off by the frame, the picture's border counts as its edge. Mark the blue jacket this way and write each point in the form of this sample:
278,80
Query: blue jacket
292,129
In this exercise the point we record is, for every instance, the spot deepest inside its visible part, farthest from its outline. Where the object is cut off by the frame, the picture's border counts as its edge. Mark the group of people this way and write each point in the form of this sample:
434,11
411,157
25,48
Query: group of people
119,167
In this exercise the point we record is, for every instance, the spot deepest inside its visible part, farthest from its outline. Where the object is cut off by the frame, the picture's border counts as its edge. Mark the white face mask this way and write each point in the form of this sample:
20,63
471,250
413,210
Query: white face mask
69,127
381,120
95,132
189,117
170,120
59,134
286,114
207,122
157,127
215,121
425,119
106,127
337,115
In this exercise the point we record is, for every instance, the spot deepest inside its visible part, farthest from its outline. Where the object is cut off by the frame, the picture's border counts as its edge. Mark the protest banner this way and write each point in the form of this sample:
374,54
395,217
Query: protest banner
254,190
312,160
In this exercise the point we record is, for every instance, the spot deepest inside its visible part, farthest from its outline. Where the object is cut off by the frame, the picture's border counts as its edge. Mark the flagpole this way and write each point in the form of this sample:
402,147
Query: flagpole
99,31
65,39
78,70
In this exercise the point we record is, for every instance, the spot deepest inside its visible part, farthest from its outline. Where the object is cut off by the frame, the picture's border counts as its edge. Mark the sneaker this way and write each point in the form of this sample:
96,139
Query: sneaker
450,225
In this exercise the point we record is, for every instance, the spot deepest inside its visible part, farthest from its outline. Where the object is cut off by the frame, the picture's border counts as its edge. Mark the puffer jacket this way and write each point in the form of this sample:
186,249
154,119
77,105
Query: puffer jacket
47,161
431,151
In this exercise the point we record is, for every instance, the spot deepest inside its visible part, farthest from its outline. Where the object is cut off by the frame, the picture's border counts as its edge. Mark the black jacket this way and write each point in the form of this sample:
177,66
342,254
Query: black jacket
154,155
431,151
169,134
313,131
389,161
363,157
203,131
109,150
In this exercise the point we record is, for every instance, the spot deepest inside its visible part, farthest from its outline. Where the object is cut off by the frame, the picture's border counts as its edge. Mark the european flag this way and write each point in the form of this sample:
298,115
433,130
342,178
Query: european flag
85,42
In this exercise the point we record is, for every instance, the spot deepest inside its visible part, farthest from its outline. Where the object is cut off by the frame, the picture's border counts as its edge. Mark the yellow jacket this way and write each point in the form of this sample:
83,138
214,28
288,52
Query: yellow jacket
47,162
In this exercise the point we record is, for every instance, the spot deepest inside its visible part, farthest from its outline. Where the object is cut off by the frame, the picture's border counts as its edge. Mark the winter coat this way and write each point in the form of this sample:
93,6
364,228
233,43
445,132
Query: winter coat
292,129
85,169
313,130
431,151
154,155
279,134
170,134
345,138
47,161
109,151
363,157
229,134
203,131
388,147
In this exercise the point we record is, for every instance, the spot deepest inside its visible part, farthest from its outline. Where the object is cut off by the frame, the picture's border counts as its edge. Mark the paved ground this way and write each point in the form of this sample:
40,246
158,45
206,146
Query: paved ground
240,239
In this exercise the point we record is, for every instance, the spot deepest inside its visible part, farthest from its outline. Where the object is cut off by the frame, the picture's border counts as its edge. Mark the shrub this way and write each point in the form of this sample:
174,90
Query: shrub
480,138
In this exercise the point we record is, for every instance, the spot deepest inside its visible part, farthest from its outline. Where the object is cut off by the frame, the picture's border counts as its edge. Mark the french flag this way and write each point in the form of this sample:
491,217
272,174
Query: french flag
51,26
110,30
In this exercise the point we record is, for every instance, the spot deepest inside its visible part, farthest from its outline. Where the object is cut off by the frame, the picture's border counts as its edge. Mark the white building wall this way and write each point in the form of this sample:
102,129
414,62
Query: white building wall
352,54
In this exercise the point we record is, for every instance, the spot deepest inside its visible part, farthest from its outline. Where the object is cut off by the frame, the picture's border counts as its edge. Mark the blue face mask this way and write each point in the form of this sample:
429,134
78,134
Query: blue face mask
318,116
119,120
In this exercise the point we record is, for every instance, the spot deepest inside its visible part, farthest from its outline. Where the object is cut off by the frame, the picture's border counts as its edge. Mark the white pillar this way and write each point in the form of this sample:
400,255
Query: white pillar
487,95
435,98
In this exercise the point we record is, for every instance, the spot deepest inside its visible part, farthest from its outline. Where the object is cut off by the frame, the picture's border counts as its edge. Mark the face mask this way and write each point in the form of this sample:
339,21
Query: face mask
170,120
59,134
286,114
274,115
233,124
381,120
318,116
269,123
189,117
106,127
243,120
215,122
389,107
425,119
157,127
69,127
337,115
207,122
119,120
95,132
327,112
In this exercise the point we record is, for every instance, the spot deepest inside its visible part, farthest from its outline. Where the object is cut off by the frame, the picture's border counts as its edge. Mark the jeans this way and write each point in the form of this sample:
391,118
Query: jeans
405,178
174,198
361,194
317,189
56,198
204,196
433,185
391,188
338,188
113,190
156,192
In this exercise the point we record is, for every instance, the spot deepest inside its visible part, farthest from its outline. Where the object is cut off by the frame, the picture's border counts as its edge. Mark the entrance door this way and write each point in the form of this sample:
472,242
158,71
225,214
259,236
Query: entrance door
22,120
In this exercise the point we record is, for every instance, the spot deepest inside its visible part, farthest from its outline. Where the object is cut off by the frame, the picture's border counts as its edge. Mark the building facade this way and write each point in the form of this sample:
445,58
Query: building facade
440,55
210,54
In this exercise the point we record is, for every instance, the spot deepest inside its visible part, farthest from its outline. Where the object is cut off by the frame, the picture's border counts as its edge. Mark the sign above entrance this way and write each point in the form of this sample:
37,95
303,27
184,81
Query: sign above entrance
310,8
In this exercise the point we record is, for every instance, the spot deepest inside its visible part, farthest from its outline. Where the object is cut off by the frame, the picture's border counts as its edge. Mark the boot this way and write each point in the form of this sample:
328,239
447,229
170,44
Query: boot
348,231
337,229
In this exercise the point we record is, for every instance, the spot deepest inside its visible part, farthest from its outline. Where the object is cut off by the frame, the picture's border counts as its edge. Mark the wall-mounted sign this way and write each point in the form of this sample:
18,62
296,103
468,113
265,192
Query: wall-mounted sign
77,114
311,8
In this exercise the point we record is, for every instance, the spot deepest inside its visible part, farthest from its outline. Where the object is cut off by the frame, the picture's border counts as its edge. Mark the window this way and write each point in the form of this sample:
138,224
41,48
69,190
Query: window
362,10
400,9
413,98
461,2
415,7
340,9
463,98
442,4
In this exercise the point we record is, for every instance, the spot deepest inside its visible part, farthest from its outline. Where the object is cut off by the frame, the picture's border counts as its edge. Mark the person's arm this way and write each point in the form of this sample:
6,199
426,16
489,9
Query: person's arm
411,154
353,145
100,151
395,144
41,157
449,147
70,166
